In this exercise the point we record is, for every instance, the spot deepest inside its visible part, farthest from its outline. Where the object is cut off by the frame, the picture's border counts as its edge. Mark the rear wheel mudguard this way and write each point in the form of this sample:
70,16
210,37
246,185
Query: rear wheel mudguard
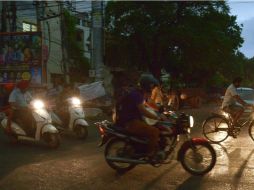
188,143
199,140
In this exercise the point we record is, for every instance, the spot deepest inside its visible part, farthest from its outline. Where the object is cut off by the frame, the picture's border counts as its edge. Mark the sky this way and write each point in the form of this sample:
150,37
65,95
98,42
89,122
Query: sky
244,10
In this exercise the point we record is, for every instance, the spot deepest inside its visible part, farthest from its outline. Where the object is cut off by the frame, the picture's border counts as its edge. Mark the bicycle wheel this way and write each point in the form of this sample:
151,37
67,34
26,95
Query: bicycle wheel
251,130
215,129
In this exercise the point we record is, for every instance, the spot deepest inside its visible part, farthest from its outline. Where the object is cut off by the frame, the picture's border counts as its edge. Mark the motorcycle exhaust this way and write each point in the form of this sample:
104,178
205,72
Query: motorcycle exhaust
125,160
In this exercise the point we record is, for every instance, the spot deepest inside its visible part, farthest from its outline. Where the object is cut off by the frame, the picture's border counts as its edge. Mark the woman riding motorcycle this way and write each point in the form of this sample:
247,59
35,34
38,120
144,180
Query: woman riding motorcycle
131,109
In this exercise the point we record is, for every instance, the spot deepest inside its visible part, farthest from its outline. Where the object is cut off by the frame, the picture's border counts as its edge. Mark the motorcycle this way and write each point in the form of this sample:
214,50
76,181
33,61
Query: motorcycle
44,130
124,151
77,122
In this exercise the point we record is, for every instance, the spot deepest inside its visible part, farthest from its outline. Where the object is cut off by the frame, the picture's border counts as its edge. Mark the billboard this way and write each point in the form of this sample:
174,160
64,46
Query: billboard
20,57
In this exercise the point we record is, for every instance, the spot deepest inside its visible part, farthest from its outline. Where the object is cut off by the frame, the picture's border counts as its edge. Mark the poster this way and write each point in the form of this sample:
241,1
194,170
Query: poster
20,57
36,75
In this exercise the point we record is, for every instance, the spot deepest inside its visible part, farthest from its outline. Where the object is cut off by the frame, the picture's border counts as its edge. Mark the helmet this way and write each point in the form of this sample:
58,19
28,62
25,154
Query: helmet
147,82
23,84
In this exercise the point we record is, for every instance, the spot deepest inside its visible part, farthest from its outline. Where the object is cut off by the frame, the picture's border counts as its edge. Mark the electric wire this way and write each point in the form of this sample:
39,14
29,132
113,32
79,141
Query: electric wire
32,7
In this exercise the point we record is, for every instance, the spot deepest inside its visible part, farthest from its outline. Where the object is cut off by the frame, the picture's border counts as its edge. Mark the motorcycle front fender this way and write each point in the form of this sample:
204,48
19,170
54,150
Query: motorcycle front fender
189,143
80,122
49,128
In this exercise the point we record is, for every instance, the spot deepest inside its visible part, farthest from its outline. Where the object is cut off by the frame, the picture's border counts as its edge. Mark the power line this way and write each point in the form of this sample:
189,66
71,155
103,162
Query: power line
47,6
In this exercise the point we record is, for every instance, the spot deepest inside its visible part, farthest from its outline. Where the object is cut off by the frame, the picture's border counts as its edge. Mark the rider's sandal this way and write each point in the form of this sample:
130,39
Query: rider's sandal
237,125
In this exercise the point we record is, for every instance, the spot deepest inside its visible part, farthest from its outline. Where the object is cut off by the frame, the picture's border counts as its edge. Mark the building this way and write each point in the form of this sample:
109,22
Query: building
45,17
84,32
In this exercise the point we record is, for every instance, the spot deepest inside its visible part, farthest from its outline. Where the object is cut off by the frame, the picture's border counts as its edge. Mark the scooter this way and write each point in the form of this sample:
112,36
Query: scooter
77,122
44,130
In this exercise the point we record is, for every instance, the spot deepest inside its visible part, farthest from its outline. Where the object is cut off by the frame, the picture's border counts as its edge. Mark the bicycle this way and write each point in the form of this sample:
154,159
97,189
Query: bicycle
217,127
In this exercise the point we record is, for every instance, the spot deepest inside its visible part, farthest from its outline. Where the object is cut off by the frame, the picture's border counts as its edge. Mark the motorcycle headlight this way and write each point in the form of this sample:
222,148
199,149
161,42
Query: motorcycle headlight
38,104
75,101
191,120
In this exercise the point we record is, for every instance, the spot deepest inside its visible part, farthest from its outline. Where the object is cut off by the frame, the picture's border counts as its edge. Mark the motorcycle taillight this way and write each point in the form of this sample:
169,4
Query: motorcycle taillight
102,131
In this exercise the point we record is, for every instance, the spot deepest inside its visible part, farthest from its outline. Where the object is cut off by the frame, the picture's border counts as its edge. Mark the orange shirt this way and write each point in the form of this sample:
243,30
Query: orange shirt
157,95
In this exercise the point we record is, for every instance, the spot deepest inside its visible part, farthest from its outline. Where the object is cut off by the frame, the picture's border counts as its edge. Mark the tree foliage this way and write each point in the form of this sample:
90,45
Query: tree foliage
190,39
79,63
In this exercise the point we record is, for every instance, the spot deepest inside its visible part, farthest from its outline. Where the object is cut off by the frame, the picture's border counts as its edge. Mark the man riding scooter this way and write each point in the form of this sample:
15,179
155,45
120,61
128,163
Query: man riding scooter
19,108
69,115
61,103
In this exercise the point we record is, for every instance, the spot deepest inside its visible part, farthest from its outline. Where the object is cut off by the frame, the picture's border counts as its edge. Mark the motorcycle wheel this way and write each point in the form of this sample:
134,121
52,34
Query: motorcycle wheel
251,130
194,159
119,148
81,131
215,129
52,140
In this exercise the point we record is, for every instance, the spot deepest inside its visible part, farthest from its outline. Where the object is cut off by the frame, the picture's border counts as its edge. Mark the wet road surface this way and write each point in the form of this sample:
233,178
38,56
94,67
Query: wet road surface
80,165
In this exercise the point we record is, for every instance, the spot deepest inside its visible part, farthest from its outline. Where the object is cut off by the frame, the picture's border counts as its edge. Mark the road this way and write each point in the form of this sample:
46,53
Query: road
80,165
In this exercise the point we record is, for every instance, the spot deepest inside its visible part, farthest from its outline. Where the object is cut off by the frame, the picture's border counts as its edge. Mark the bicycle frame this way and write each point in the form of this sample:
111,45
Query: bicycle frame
246,121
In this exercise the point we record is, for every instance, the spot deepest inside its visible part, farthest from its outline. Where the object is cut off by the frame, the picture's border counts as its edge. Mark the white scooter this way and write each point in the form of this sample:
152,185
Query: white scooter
77,122
44,129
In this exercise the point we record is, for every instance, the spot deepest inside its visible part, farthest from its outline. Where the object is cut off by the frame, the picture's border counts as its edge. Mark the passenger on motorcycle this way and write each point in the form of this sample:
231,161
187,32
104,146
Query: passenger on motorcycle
157,95
131,109
20,112
156,100
231,98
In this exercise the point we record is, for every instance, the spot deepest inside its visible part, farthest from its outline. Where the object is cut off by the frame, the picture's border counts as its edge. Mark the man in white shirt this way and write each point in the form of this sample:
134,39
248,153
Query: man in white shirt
231,98
19,106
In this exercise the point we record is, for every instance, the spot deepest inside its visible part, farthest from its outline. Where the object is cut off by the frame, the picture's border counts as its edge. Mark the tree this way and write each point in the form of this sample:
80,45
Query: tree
80,64
189,39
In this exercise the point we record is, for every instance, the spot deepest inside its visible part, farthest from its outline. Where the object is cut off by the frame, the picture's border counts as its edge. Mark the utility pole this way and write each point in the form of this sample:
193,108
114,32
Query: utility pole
37,3
97,38
64,61
4,17
13,12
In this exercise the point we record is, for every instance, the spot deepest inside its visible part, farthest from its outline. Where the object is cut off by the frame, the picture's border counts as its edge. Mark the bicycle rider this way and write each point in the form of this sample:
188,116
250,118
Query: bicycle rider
230,100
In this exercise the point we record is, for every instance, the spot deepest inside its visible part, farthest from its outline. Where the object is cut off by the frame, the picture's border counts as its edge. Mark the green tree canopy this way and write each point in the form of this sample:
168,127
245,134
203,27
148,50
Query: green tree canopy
189,39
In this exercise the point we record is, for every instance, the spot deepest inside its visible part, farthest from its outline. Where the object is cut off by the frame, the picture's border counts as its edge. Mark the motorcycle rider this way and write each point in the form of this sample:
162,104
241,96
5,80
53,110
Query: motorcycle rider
131,109
157,95
156,100
61,103
19,111
231,98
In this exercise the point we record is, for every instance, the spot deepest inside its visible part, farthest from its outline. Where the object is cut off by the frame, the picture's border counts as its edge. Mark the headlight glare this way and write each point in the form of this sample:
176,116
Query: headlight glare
191,119
38,104
76,101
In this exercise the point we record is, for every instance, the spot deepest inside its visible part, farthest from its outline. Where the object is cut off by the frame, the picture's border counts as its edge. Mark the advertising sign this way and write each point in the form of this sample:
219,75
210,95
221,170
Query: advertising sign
20,57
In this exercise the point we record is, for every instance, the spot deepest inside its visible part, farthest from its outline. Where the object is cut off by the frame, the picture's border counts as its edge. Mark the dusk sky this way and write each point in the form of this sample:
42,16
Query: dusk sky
244,10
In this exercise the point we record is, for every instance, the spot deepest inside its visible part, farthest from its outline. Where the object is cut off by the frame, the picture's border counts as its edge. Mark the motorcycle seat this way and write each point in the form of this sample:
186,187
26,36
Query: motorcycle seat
122,130
119,129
